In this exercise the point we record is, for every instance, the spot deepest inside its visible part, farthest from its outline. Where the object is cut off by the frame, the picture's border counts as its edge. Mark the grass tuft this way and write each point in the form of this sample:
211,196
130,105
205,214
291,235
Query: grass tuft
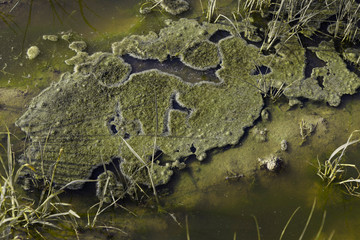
19,215
333,170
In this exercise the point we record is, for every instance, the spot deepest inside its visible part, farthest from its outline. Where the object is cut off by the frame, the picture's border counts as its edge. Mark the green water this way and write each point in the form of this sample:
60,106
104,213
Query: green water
215,208
219,210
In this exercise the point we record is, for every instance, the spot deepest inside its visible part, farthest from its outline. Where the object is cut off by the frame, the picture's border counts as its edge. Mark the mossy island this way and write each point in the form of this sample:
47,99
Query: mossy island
103,111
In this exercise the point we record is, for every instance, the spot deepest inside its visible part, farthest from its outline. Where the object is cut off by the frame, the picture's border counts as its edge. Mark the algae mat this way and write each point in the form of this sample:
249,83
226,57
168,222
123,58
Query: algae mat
103,111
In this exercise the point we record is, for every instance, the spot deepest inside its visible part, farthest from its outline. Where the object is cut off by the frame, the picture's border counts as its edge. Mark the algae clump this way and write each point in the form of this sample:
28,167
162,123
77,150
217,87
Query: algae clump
91,112
103,111
32,52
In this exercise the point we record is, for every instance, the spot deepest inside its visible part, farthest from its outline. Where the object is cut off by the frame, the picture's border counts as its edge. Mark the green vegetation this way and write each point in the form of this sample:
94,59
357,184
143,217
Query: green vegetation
173,7
335,171
283,19
23,216
20,215
84,116
210,13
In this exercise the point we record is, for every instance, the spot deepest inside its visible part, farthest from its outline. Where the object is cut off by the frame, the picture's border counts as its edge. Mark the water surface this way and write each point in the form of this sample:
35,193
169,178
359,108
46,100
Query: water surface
216,208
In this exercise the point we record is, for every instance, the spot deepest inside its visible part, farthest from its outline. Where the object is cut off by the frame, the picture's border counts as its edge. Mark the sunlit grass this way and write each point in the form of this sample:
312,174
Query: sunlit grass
22,215
333,170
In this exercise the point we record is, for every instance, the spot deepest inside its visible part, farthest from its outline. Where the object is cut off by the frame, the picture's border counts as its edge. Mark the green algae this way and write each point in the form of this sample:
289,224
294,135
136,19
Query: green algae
91,112
85,116
78,46
32,52
120,70
171,41
202,55
175,7
336,79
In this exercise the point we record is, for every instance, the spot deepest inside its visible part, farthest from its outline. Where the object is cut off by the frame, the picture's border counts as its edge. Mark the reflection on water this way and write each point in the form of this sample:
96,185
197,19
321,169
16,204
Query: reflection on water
23,23
216,208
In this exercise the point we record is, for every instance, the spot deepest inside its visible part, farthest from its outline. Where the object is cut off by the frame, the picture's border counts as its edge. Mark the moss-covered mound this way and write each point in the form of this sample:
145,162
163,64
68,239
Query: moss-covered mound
102,111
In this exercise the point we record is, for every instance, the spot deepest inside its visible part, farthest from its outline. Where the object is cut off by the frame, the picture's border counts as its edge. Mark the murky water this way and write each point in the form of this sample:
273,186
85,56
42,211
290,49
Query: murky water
217,204
219,210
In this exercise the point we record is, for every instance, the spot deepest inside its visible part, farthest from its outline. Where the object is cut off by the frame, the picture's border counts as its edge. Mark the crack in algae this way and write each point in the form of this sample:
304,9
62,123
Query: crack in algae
105,99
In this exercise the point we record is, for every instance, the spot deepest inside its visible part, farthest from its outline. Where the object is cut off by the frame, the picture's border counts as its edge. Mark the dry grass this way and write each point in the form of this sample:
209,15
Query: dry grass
293,17
333,170
25,216
210,13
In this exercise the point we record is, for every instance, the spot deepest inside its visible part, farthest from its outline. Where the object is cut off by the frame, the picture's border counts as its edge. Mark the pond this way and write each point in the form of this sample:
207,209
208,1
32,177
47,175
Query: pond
227,195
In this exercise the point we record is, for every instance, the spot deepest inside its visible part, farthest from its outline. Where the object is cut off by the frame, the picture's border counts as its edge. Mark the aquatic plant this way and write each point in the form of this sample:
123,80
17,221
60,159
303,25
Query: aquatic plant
210,13
8,20
115,197
233,23
291,18
268,89
144,9
333,170
308,220
347,19
306,129
305,227
21,215
101,208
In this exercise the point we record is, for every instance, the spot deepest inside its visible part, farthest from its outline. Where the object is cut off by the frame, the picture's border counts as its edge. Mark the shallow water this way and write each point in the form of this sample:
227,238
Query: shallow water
227,207
216,208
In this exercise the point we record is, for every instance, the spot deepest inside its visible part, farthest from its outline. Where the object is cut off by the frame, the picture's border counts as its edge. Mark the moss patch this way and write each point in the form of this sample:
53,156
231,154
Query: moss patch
91,112
85,113
201,55
326,83
175,7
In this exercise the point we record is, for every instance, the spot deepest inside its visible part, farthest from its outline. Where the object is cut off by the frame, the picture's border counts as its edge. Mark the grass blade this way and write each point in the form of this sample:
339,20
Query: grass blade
257,227
308,220
288,222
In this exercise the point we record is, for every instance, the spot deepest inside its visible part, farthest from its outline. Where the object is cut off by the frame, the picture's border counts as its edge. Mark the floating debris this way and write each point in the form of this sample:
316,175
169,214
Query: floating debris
306,129
283,145
78,46
265,115
272,163
53,38
32,52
